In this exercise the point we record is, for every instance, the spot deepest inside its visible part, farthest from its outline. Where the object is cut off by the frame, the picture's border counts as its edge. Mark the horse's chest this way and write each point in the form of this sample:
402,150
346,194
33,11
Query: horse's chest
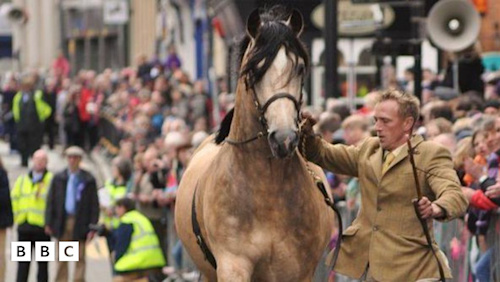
276,250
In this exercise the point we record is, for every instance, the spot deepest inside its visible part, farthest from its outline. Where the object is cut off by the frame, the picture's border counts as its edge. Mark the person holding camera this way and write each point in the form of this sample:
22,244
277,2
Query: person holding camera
134,244
115,189
145,193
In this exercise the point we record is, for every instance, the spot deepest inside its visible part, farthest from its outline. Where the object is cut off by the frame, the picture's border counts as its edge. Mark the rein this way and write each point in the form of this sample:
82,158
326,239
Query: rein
234,142
329,202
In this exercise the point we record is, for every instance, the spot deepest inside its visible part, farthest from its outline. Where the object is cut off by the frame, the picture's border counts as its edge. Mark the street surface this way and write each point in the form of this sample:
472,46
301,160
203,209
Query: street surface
98,265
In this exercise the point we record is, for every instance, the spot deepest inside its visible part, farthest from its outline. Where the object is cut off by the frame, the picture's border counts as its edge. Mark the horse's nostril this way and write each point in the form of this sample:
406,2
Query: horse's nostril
286,139
271,137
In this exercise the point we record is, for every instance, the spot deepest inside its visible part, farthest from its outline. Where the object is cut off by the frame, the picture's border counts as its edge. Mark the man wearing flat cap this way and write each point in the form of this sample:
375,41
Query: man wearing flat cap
72,205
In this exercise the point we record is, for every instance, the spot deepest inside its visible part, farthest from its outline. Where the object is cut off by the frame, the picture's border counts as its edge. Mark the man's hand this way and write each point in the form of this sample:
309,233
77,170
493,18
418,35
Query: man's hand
493,191
308,121
429,210
48,230
90,236
474,169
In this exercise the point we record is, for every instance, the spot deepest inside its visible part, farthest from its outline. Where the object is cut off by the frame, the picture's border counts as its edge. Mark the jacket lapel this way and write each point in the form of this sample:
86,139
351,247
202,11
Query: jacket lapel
415,141
376,163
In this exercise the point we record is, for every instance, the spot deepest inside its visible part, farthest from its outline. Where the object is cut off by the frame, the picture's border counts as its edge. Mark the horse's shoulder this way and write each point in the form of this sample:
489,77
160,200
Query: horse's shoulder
209,140
204,155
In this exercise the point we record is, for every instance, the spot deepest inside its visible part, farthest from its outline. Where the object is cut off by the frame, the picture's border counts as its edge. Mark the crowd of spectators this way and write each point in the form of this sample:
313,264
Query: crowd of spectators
155,115
468,124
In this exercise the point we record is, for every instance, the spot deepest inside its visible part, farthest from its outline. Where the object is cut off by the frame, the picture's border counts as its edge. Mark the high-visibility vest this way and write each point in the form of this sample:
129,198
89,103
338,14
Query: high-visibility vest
29,200
144,251
116,192
42,108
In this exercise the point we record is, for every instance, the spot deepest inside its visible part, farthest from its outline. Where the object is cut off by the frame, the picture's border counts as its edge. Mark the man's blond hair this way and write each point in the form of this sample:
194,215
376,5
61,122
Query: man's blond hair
409,105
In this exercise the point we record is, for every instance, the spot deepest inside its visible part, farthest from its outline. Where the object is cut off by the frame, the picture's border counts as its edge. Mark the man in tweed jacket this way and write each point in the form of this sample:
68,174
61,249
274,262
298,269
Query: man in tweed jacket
386,241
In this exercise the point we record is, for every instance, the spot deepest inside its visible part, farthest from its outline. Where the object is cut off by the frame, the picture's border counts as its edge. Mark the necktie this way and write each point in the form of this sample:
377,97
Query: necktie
71,194
388,160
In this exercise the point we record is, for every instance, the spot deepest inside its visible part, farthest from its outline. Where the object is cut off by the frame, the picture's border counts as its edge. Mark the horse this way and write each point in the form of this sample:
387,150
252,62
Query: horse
247,207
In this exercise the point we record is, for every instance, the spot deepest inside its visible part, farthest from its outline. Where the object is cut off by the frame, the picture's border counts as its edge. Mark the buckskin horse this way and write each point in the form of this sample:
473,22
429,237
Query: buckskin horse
247,207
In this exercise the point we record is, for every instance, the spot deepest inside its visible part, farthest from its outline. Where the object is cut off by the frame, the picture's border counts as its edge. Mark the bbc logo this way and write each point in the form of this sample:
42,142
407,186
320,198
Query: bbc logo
44,251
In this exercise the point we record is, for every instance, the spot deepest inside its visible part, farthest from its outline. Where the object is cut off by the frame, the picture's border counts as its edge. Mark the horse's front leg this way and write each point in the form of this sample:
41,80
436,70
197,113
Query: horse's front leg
234,268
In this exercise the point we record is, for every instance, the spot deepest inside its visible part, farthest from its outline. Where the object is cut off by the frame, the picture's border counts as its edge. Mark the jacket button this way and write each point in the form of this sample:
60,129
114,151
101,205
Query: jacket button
375,228
379,208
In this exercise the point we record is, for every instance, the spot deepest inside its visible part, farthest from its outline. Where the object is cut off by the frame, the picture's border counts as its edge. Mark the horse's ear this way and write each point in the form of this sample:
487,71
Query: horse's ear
253,23
296,22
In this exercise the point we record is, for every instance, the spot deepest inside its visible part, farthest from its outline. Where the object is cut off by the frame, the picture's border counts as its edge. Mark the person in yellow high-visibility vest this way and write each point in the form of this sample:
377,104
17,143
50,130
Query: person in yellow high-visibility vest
30,112
115,188
136,248
29,198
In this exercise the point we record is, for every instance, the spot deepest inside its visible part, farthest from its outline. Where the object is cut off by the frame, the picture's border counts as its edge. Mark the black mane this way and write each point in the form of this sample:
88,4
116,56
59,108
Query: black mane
225,126
271,36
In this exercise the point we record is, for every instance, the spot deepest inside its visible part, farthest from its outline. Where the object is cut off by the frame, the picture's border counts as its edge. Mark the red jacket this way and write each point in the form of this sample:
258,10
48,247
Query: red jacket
86,95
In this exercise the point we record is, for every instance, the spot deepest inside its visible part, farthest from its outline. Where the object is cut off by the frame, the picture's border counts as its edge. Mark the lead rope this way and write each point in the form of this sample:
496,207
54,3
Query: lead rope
319,183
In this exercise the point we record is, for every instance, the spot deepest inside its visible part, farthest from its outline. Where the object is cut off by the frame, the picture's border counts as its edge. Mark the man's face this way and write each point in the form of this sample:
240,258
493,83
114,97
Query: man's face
491,139
39,162
497,135
492,111
480,145
74,162
390,126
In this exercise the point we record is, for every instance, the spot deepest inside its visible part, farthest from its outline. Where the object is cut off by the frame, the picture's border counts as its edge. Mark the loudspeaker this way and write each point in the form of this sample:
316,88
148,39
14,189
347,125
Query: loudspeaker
14,13
453,25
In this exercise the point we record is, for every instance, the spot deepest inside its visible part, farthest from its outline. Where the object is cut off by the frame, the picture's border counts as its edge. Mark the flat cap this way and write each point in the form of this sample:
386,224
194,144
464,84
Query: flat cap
74,151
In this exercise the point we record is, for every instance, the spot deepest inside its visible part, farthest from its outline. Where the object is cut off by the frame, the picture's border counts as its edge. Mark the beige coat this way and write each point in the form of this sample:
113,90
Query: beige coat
387,234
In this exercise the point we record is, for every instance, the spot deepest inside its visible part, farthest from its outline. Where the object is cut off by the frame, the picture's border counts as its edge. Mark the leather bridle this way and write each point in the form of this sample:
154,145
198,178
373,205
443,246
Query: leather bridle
261,109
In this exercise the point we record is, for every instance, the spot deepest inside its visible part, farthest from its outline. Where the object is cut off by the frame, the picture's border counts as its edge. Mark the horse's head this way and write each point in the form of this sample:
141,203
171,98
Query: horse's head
274,66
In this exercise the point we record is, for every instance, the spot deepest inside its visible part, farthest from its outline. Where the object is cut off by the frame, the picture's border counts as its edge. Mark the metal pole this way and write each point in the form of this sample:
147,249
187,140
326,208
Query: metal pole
351,78
417,15
331,60
86,43
456,85
101,47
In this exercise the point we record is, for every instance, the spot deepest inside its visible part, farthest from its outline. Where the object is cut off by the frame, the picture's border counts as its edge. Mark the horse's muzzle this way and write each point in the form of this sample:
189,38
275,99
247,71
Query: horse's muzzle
283,142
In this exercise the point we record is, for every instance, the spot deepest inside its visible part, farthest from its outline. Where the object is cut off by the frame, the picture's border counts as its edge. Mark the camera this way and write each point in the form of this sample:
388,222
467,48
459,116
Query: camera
100,229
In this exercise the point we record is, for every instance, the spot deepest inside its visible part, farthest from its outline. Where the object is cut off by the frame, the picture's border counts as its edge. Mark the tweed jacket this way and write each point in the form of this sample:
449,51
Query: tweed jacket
387,234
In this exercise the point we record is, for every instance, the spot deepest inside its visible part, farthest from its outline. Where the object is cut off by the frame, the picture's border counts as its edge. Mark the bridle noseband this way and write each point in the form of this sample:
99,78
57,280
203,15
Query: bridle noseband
262,111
